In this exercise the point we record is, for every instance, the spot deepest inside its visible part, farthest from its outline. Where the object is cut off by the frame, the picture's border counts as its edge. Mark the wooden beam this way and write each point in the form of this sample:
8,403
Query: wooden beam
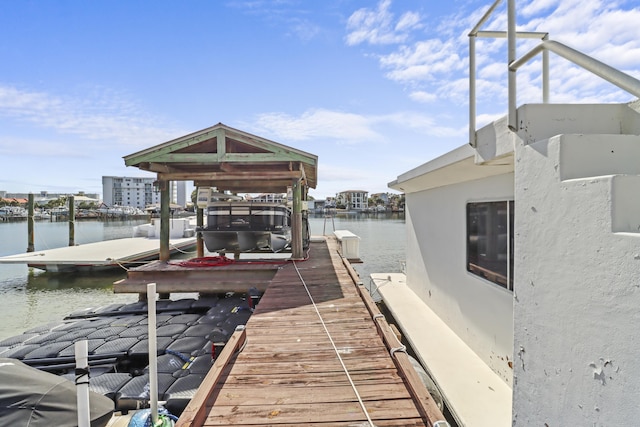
297,252
165,200
273,147
203,286
221,145
247,187
229,176
208,158
158,167
199,239
155,153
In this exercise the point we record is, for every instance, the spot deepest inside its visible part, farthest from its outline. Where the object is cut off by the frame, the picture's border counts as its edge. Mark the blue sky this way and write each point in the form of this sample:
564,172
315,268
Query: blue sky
374,88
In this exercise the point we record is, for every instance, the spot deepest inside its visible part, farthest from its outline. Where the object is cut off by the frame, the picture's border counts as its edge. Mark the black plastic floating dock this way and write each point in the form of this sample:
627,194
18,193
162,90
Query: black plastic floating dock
190,333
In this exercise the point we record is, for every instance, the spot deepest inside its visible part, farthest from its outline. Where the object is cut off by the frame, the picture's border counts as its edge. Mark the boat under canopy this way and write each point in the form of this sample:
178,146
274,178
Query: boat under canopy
247,226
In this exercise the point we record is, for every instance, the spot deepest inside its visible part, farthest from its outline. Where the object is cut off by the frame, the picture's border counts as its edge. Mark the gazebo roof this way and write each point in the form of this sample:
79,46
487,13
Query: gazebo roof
229,159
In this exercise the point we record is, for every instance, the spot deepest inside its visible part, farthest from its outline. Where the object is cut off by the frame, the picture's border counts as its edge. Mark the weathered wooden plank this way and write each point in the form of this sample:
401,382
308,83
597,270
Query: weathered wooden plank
315,412
293,323
234,265
242,395
325,308
311,344
279,354
380,376
267,320
301,335
257,367
404,422
165,286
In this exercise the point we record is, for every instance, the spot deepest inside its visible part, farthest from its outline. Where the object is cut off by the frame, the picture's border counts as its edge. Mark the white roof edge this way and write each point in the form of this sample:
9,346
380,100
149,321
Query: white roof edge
454,156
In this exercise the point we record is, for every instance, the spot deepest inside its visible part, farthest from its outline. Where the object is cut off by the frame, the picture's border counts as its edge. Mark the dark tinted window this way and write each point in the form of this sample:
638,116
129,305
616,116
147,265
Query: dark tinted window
490,241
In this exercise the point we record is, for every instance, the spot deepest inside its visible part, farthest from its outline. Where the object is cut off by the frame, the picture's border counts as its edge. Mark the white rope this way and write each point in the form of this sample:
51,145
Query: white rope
401,349
116,261
180,250
333,344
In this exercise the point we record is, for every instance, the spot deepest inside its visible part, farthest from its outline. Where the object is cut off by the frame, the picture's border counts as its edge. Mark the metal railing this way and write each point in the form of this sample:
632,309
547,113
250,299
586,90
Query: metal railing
608,73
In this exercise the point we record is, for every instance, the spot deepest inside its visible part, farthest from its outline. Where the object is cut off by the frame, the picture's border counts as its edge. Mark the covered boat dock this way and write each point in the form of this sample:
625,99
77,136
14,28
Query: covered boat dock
231,161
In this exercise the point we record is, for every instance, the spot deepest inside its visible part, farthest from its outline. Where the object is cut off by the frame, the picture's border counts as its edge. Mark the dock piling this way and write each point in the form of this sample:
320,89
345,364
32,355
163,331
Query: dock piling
30,224
72,221
199,225
165,200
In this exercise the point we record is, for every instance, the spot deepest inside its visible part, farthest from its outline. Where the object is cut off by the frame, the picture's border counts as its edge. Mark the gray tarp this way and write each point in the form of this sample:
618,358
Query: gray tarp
33,398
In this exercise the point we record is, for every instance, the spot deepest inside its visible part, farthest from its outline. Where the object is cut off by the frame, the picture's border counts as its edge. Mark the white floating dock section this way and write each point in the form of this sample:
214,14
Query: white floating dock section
459,373
350,244
98,255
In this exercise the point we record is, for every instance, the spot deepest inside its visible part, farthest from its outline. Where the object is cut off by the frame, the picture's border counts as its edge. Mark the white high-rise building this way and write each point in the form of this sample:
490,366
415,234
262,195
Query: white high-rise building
139,192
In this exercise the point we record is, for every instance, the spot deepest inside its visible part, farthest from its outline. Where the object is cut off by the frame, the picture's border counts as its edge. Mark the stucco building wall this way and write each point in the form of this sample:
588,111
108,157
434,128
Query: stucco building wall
478,311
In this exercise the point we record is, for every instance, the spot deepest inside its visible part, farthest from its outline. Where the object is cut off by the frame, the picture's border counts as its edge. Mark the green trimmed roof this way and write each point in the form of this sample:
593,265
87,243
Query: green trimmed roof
229,159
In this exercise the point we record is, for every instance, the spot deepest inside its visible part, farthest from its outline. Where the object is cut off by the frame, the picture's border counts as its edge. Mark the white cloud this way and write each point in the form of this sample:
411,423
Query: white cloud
33,147
433,67
318,123
423,96
408,21
304,29
422,61
335,127
376,27
536,7
331,173
97,115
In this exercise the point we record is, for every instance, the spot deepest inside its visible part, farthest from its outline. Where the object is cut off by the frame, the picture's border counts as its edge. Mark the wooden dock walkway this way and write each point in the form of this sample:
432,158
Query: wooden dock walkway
315,352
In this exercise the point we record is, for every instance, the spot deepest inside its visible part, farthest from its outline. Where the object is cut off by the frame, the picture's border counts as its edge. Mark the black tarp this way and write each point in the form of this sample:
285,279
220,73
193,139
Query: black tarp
33,398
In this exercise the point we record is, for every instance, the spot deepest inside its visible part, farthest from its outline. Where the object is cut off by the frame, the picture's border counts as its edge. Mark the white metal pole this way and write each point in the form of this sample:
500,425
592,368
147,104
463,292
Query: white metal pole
511,56
472,91
82,383
545,75
153,356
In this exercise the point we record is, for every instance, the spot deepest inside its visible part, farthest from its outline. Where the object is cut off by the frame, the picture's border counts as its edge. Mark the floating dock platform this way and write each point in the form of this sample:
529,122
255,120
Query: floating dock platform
99,255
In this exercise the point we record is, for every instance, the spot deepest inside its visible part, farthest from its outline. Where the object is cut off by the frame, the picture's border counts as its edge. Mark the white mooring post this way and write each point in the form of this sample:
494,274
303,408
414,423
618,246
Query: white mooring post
82,383
153,355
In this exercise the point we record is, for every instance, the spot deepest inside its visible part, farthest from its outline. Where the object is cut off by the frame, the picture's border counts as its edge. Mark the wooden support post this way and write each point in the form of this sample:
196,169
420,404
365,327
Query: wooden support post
296,222
199,241
72,221
164,220
30,224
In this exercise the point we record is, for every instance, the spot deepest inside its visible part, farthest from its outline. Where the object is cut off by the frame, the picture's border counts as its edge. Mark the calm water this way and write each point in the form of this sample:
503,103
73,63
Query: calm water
31,297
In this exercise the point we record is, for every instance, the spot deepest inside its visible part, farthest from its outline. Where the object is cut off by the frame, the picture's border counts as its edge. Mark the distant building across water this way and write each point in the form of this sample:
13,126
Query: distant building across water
356,200
43,197
139,192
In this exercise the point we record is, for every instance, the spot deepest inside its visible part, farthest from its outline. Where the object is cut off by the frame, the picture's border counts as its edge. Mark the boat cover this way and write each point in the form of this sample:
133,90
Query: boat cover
33,398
